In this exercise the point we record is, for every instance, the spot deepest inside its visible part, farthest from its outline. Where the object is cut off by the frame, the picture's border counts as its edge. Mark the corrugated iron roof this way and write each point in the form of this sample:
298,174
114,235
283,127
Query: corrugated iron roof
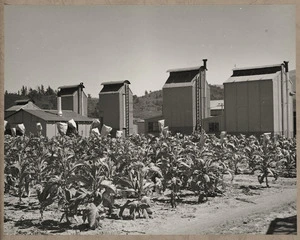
256,70
182,76
184,69
157,117
51,115
115,82
67,91
70,89
22,101
113,86
251,78
19,107
256,67
72,86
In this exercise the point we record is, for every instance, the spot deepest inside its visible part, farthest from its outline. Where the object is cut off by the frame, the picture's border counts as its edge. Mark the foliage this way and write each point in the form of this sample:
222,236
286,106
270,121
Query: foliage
84,175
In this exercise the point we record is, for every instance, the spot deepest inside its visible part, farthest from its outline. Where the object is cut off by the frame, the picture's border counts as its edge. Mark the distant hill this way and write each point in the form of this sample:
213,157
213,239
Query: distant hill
148,105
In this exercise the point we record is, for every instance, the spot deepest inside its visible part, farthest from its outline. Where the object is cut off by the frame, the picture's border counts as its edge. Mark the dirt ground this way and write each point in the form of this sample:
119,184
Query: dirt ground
246,208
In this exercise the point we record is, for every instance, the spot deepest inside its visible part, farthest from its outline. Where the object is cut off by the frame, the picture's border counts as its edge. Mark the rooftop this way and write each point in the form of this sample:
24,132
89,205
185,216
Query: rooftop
115,82
216,104
21,104
70,89
257,67
237,72
51,115
251,78
182,76
184,69
157,117
113,86
23,101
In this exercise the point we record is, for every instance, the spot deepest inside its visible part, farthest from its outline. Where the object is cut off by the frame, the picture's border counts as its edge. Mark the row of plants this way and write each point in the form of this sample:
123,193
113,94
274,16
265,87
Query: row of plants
84,175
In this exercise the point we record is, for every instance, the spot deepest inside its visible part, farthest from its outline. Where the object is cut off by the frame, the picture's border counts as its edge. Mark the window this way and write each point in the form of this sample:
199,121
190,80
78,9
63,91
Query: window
213,127
153,127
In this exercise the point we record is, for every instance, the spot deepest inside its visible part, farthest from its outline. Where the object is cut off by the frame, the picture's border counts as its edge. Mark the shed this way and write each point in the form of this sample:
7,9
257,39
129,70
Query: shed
186,99
116,106
151,125
258,100
214,124
48,120
216,107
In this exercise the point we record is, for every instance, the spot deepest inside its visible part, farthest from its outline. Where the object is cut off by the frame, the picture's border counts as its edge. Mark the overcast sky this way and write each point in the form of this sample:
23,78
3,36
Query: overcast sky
62,45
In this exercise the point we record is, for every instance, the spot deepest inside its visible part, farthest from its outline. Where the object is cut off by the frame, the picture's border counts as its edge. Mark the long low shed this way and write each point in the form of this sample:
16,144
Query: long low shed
48,120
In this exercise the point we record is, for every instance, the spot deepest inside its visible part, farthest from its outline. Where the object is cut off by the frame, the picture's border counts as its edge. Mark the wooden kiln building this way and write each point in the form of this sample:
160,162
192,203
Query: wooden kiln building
116,106
186,99
259,100
74,98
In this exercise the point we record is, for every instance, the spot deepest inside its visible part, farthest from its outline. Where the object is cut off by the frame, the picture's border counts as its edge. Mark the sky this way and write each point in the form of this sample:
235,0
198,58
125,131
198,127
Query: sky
65,45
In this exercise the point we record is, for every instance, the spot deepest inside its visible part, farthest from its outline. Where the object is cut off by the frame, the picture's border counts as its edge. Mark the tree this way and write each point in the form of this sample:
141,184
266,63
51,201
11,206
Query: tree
33,94
24,91
50,91
42,89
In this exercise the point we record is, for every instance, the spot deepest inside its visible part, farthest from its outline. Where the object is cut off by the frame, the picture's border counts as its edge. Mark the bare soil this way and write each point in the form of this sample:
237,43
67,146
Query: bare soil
246,208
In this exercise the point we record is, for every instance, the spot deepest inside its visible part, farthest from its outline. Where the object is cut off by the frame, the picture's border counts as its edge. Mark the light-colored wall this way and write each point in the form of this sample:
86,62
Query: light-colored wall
52,130
84,129
277,104
207,109
85,104
75,102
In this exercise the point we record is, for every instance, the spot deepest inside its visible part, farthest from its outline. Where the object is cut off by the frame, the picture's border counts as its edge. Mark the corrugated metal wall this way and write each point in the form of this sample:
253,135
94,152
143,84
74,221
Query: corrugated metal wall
249,107
178,110
28,120
67,103
75,102
109,107
207,109
85,104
